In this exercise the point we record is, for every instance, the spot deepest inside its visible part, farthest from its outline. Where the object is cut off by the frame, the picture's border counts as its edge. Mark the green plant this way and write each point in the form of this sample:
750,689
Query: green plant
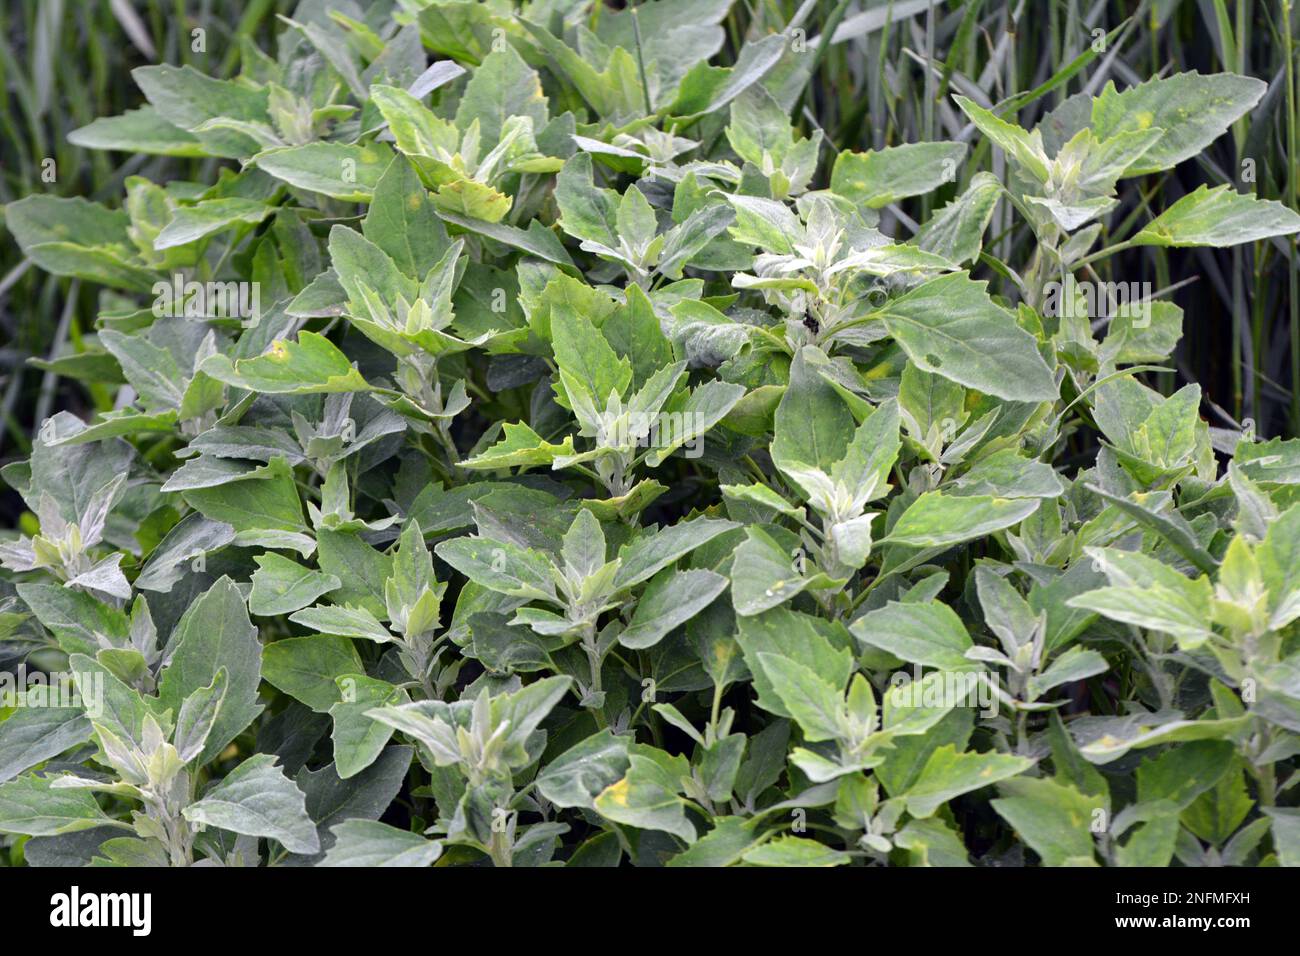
531,449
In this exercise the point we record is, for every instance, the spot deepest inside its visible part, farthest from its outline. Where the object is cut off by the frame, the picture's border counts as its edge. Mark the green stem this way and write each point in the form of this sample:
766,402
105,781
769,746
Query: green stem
499,849
592,650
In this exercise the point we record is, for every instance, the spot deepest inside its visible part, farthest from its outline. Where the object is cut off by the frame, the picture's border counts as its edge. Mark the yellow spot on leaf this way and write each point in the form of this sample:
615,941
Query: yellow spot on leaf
616,793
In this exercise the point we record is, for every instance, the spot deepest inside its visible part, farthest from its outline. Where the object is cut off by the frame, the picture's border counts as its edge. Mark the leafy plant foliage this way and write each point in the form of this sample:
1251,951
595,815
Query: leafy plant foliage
551,455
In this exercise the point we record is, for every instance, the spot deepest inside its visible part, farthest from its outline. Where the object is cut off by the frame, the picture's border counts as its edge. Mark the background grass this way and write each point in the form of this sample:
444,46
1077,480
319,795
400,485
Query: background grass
62,64
885,80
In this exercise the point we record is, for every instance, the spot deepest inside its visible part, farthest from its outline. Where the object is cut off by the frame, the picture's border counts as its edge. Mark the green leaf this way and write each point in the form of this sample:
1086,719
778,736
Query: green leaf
76,619
192,223
950,326
32,735
361,569
338,170
401,221
503,86
1009,474
417,130
32,805
306,668
1074,665
937,519
813,425
577,776
370,843
633,332
644,557
1108,739
759,127
214,634
331,799
473,200
1024,148
1218,217
800,638
1190,109
871,454
586,359
500,566
705,407
615,93
948,774
1181,774
74,237
536,240
586,211
521,446
281,586
312,364
257,799
956,231
358,739
703,334
136,131
1151,844
646,798
765,223
671,599
795,851
760,495
1278,556
1149,594
1286,833
198,716
1053,818
877,178
635,220
816,706
763,575
930,842
930,634
1216,814
708,88
724,845
523,710
124,710
344,621
689,238
187,99
265,501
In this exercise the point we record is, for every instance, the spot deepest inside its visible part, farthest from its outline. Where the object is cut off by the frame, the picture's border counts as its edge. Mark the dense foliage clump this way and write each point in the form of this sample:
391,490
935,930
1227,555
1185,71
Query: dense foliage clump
556,455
